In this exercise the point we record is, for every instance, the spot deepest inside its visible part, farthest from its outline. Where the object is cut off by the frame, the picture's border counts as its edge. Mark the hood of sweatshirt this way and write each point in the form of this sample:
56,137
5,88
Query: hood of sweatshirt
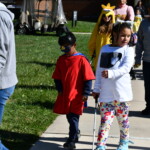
4,9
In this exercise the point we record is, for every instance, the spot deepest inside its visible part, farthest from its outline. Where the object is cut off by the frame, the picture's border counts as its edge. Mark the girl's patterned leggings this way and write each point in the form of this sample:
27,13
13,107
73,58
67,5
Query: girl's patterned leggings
108,111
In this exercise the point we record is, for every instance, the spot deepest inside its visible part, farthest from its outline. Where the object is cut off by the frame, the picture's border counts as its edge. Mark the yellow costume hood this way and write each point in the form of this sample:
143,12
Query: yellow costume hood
108,11
98,40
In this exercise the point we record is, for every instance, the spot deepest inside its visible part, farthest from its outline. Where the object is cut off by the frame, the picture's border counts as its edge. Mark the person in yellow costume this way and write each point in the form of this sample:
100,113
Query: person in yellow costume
101,34
137,21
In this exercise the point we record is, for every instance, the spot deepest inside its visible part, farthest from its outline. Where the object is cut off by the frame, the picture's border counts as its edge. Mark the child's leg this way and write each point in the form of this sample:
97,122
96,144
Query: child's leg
107,111
122,112
73,120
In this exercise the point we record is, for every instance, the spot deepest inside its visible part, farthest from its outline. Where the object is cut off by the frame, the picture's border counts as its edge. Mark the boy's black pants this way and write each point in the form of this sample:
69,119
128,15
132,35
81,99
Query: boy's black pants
73,120
146,75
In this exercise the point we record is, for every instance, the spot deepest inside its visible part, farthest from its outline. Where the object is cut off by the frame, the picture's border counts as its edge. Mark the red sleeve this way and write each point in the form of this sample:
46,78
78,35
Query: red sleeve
87,70
56,73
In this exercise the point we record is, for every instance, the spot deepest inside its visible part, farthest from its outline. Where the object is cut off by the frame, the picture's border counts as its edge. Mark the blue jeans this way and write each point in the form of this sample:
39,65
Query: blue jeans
4,96
73,120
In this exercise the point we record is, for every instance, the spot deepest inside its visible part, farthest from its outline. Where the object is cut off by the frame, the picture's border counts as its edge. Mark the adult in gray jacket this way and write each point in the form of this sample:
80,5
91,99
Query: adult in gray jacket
143,53
8,78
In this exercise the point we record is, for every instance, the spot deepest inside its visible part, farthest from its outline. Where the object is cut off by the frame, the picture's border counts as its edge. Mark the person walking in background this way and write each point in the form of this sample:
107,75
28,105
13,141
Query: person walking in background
126,13
101,33
73,77
123,11
8,77
113,85
137,21
143,53
140,7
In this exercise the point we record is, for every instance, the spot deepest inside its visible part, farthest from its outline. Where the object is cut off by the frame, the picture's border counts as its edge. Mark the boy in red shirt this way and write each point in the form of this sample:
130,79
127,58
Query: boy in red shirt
73,79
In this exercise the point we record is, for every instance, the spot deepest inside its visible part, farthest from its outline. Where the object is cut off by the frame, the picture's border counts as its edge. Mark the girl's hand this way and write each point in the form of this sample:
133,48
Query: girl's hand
95,95
105,73
84,98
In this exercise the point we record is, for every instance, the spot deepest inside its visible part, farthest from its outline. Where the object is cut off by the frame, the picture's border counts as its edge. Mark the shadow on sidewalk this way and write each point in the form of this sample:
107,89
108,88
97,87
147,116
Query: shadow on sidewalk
139,148
52,143
137,114
90,110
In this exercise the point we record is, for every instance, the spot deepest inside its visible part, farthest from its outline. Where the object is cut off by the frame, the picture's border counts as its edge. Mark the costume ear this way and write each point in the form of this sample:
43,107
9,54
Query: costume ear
113,7
108,6
103,6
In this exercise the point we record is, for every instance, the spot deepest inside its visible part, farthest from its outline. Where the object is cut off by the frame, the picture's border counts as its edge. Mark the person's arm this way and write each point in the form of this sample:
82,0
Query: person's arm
139,46
57,77
87,87
4,42
98,76
58,85
130,13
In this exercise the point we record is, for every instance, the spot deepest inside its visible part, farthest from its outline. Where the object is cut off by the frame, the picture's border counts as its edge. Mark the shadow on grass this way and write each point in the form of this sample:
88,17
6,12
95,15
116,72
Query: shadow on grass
47,105
48,65
42,64
17,141
36,87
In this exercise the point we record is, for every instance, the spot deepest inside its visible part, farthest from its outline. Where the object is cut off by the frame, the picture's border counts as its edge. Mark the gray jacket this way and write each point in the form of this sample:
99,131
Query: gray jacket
143,44
8,75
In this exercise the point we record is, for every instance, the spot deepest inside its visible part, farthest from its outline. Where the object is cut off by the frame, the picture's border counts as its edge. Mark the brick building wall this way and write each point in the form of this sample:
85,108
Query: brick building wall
87,9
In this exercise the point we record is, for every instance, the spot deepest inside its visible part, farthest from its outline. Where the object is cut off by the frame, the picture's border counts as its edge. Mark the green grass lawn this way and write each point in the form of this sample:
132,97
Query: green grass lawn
82,26
29,111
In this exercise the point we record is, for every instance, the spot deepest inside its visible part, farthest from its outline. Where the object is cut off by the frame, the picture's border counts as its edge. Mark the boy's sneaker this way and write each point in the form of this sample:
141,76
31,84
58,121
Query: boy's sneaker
69,145
100,147
124,145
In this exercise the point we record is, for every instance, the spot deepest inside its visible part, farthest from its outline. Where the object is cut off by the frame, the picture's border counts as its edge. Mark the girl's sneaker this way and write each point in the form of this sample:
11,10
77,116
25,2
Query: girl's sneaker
100,147
124,145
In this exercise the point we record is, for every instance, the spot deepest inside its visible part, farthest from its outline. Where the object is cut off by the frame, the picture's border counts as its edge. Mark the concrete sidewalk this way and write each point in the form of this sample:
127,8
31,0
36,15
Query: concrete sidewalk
55,136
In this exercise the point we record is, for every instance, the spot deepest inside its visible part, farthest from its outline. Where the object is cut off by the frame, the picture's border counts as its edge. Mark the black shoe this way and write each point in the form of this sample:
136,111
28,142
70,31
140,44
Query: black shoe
78,136
146,111
69,145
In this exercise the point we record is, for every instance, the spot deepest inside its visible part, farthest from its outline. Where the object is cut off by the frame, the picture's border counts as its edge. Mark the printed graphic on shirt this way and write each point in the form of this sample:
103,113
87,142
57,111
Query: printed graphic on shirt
109,60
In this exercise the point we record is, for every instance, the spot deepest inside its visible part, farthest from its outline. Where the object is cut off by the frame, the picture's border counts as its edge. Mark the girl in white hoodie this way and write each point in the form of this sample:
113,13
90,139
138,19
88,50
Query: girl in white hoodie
113,85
